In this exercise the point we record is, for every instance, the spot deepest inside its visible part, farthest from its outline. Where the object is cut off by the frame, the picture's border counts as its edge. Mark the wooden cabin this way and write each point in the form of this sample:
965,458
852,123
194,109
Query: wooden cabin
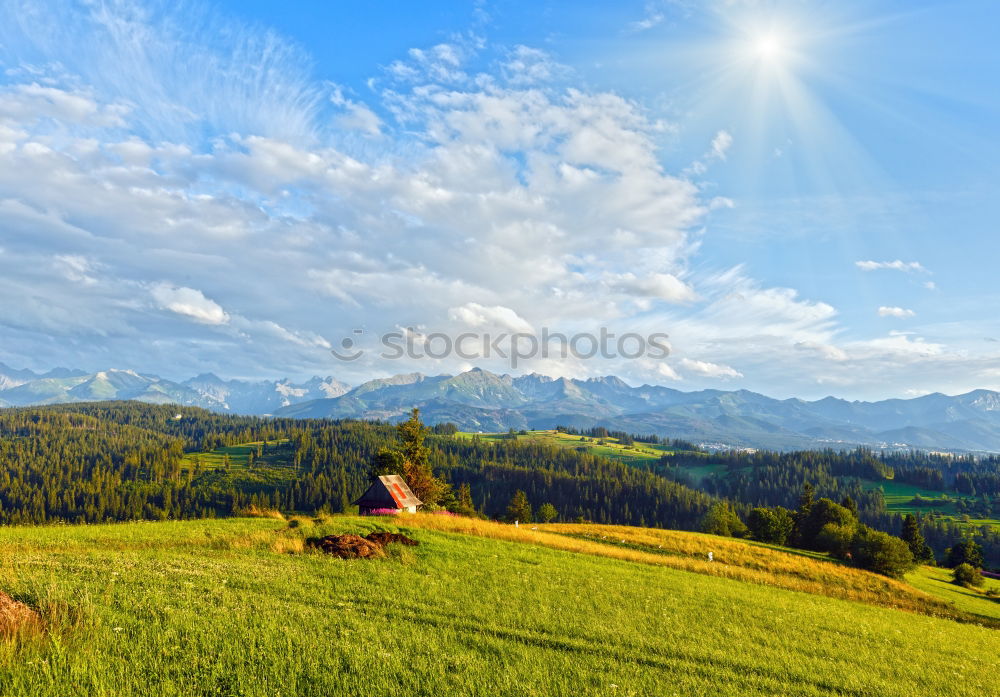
388,491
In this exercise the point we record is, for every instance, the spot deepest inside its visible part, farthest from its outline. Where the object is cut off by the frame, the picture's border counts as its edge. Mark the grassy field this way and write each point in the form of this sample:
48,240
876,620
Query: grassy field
269,468
273,454
637,454
899,497
937,581
231,607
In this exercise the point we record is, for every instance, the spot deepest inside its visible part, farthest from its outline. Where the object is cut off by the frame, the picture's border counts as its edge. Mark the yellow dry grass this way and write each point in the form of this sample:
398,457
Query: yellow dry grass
689,552
257,512
289,545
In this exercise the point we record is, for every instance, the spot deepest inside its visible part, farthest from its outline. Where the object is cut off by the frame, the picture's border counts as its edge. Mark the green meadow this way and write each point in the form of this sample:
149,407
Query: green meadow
255,466
899,499
636,454
236,607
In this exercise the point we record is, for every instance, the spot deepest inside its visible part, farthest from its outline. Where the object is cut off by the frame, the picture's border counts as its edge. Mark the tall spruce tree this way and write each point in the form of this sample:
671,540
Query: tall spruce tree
416,455
519,508
915,540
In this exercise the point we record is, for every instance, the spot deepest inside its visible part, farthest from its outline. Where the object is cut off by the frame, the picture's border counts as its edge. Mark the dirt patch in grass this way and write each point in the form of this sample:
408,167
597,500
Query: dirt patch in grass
347,546
357,547
388,538
16,618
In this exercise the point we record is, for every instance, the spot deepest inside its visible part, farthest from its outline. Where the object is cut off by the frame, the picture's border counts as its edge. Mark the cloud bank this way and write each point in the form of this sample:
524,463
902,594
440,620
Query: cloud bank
178,194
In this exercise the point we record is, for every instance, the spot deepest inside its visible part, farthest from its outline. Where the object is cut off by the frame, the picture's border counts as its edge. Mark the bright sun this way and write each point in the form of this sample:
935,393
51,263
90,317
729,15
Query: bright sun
769,46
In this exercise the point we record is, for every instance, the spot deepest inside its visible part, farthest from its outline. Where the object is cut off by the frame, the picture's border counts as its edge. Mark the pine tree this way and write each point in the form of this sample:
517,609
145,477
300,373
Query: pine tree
911,536
417,468
464,503
519,509
802,513
850,505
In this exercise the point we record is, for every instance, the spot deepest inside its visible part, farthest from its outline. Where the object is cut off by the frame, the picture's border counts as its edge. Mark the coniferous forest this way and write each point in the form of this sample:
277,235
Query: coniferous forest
114,461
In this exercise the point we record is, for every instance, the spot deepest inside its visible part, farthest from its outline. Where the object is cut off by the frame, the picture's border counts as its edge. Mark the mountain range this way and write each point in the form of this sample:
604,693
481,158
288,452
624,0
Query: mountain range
26,388
479,400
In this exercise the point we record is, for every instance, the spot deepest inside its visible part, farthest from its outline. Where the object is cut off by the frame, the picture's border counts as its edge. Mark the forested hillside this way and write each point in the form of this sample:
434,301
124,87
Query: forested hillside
766,478
113,461
119,461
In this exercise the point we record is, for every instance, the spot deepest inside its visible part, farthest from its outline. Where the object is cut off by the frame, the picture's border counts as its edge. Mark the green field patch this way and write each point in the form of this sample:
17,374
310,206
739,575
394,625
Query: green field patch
938,581
200,608
256,465
635,454
900,496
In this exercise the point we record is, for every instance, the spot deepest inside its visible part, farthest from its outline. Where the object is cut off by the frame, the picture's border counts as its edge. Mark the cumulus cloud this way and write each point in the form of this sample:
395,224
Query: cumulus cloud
477,316
659,286
721,144
355,116
245,217
188,302
525,65
710,370
897,265
899,312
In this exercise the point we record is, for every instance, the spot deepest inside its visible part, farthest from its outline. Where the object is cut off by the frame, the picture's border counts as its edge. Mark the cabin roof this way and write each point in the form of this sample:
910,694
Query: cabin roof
388,491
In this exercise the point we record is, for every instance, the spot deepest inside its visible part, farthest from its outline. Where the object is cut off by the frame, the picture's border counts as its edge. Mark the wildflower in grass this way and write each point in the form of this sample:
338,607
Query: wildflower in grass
383,511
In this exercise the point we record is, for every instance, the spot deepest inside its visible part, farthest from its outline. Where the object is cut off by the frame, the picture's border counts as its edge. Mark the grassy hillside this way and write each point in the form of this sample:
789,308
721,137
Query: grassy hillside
899,499
230,607
637,454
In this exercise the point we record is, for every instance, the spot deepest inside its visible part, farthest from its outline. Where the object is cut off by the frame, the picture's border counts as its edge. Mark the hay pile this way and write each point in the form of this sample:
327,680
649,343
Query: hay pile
357,547
16,617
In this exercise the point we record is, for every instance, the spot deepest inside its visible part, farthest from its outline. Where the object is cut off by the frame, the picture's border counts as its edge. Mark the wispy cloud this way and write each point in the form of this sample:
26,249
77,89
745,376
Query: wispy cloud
653,14
897,265
898,312
180,69
189,197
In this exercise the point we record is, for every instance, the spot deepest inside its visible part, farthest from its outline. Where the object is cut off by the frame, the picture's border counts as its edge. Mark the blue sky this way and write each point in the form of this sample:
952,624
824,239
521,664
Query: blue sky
801,194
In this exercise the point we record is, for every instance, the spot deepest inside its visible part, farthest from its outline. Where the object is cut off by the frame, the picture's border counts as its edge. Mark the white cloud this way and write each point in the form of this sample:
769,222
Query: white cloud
663,370
897,265
721,144
446,199
531,66
899,312
188,302
710,370
653,15
75,268
355,116
827,351
660,286
477,316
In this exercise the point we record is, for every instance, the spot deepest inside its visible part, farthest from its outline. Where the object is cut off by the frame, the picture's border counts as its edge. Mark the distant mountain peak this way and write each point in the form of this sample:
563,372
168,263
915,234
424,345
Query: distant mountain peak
481,400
